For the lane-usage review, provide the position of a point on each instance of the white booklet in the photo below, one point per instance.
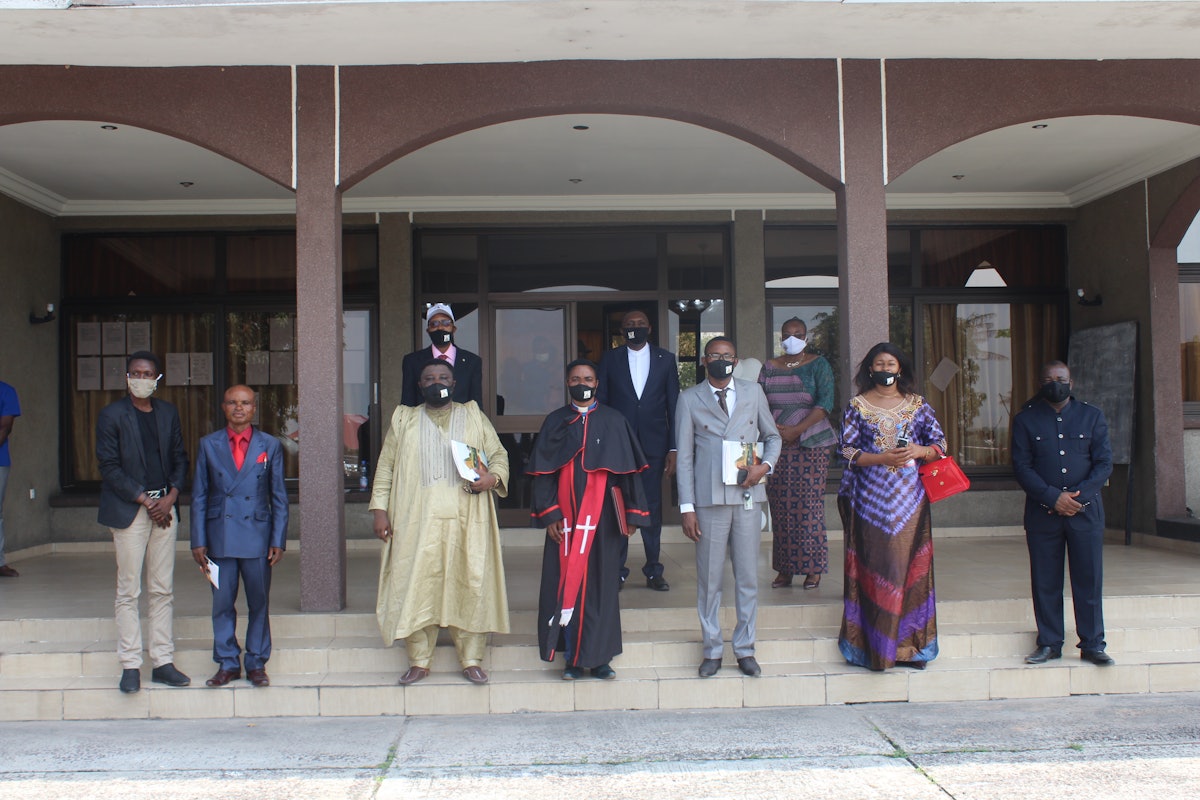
(736, 457)
(468, 460)
(212, 572)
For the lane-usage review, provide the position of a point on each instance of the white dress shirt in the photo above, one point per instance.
(639, 368)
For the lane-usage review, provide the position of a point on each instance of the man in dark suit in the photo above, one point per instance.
(1061, 457)
(641, 381)
(239, 520)
(719, 517)
(139, 448)
(468, 369)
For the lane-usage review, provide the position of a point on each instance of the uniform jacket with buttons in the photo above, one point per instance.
(1057, 451)
(701, 428)
(239, 513)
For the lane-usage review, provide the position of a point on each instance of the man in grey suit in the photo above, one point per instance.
(717, 516)
(239, 520)
(139, 447)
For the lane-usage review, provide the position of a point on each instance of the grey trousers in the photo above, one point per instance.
(738, 531)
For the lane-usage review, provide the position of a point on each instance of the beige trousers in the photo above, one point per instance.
(420, 644)
(140, 545)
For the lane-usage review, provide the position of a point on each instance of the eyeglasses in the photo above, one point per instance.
(721, 357)
(440, 323)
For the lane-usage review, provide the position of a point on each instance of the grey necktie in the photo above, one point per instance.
(721, 400)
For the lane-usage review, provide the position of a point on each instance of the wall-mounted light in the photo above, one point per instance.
(1083, 301)
(34, 319)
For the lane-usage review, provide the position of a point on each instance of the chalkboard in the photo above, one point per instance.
(1103, 365)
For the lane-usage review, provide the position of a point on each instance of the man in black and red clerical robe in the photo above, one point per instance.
(587, 493)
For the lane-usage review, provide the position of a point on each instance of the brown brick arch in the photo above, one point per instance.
(934, 104)
(241, 113)
(787, 108)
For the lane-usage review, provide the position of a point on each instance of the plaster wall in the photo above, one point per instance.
(1191, 459)
(29, 262)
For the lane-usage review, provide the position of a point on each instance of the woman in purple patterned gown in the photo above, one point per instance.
(799, 389)
(889, 614)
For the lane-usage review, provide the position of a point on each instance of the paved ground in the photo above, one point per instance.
(1099, 748)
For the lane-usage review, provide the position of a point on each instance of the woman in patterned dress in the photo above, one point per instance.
(889, 613)
(799, 389)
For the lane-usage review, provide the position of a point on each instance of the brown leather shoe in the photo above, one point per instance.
(781, 580)
(475, 675)
(413, 675)
(8, 572)
(223, 677)
(258, 677)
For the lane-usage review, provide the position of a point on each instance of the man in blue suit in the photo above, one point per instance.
(239, 520)
(641, 381)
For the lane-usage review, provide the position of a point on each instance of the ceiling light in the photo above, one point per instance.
(582, 127)
(958, 177)
(1041, 125)
(187, 184)
(575, 180)
(108, 127)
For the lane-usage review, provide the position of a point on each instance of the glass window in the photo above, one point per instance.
(1189, 334)
(261, 262)
(691, 325)
(529, 355)
(261, 350)
(97, 348)
(980, 366)
(138, 266)
(1023, 258)
(575, 262)
(448, 263)
(360, 261)
(807, 258)
(696, 261)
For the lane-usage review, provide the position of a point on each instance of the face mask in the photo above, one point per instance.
(883, 378)
(719, 370)
(441, 337)
(794, 345)
(542, 357)
(142, 388)
(1055, 392)
(581, 393)
(637, 336)
(436, 394)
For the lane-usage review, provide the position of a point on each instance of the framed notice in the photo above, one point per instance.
(177, 369)
(282, 368)
(87, 374)
(283, 333)
(258, 367)
(114, 372)
(137, 336)
(87, 339)
(200, 369)
(112, 338)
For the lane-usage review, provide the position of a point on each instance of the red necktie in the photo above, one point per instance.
(239, 451)
(443, 357)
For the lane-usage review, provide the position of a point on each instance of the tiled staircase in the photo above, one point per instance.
(336, 665)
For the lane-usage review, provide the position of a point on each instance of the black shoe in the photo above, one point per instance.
(749, 666)
(169, 675)
(1097, 657)
(572, 673)
(131, 680)
(912, 664)
(1043, 654)
(604, 672)
(709, 667)
(658, 583)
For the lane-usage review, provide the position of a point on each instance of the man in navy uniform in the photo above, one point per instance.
(239, 520)
(641, 381)
(1062, 456)
(467, 368)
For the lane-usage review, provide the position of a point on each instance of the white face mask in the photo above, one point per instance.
(142, 388)
(794, 346)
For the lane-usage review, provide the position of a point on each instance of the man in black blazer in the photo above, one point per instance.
(468, 369)
(139, 447)
(641, 381)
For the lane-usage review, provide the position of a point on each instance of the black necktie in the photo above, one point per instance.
(721, 400)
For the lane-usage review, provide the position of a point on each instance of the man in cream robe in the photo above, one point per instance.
(441, 564)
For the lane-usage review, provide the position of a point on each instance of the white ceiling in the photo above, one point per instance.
(76, 168)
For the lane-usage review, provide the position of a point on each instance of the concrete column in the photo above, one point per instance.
(1170, 484)
(319, 343)
(749, 279)
(396, 307)
(862, 218)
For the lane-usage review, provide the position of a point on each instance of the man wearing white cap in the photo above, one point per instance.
(468, 369)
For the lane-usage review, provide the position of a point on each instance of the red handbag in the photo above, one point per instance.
(943, 478)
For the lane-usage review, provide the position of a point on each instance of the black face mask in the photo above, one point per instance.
(882, 378)
(636, 336)
(719, 370)
(436, 394)
(1055, 392)
(441, 337)
(582, 393)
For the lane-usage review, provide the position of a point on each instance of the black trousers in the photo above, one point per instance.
(1082, 550)
(652, 480)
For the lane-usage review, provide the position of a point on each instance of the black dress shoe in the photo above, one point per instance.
(709, 667)
(658, 583)
(1043, 654)
(604, 672)
(169, 675)
(572, 673)
(749, 666)
(131, 680)
(1097, 657)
